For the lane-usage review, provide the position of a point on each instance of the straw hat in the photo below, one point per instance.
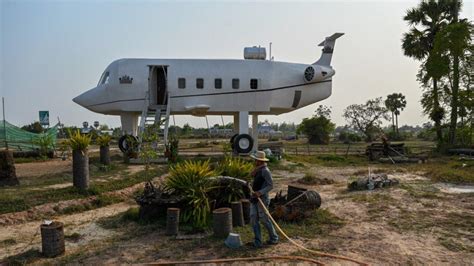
(260, 156)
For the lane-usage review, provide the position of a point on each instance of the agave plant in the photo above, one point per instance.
(104, 140)
(78, 141)
(80, 159)
(192, 180)
(235, 167)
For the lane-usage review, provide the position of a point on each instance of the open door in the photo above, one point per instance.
(158, 86)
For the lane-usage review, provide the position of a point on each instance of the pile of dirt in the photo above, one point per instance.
(315, 181)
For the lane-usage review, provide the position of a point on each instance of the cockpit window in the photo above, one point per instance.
(104, 79)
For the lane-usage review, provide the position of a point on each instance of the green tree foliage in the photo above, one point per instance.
(425, 21)
(34, 127)
(319, 127)
(193, 181)
(395, 103)
(367, 117)
(440, 41)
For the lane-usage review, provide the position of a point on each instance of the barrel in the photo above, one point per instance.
(172, 221)
(246, 210)
(52, 239)
(222, 222)
(237, 213)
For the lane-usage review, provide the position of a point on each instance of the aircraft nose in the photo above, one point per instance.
(88, 98)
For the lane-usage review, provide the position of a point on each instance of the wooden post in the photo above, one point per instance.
(172, 221)
(246, 210)
(52, 239)
(237, 213)
(222, 222)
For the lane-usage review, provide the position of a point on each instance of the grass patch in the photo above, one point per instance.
(329, 160)
(312, 179)
(447, 169)
(421, 190)
(455, 245)
(74, 237)
(98, 202)
(20, 199)
(8, 242)
(28, 257)
(121, 219)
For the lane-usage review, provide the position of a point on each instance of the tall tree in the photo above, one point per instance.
(319, 127)
(425, 21)
(452, 42)
(367, 117)
(395, 103)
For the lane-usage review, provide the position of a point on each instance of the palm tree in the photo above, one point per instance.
(395, 103)
(425, 21)
(452, 42)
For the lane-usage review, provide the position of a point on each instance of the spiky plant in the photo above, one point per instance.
(193, 181)
(104, 143)
(80, 159)
(78, 141)
(104, 140)
(235, 167)
(45, 142)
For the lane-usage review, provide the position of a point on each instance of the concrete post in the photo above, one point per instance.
(129, 123)
(243, 122)
(255, 132)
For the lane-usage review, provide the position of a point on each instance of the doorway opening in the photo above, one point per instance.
(158, 85)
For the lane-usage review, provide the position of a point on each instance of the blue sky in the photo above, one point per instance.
(51, 51)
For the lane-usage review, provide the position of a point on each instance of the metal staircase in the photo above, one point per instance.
(157, 115)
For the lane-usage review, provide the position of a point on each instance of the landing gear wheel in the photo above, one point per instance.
(124, 144)
(243, 143)
(232, 141)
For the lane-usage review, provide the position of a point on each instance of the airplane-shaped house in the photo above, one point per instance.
(154, 89)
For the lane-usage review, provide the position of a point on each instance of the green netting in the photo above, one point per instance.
(19, 139)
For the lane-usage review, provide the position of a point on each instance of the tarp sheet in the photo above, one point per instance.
(19, 139)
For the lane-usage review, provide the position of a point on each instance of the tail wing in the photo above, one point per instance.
(328, 48)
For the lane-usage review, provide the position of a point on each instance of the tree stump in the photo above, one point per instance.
(246, 210)
(222, 222)
(80, 169)
(105, 155)
(237, 213)
(7, 169)
(172, 221)
(52, 239)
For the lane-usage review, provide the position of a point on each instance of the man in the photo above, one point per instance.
(262, 184)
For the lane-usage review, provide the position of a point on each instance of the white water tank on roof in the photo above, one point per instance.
(258, 53)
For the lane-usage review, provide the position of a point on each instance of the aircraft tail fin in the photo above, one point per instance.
(328, 48)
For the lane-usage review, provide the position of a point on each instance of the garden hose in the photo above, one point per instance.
(322, 254)
(240, 259)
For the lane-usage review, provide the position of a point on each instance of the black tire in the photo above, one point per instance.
(232, 141)
(122, 143)
(243, 143)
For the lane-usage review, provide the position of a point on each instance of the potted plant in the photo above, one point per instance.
(80, 159)
(104, 143)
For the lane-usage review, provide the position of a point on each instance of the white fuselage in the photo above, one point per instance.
(280, 87)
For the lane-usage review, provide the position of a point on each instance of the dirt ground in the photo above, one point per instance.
(416, 222)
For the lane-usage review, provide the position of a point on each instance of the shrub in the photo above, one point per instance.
(193, 181)
(45, 143)
(235, 167)
(104, 140)
(78, 141)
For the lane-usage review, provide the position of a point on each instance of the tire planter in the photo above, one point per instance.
(237, 213)
(80, 169)
(7, 169)
(123, 145)
(243, 143)
(172, 221)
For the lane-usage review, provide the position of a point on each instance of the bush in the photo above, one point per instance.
(78, 141)
(235, 167)
(317, 129)
(45, 143)
(104, 140)
(193, 181)
(349, 137)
